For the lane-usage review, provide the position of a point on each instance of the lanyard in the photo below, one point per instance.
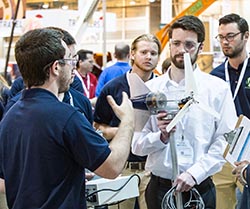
(85, 88)
(243, 70)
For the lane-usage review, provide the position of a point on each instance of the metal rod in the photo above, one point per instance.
(11, 38)
(104, 54)
(175, 169)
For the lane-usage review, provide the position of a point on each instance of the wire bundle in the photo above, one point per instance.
(193, 202)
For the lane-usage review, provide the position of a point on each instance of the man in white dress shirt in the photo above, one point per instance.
(199, 135)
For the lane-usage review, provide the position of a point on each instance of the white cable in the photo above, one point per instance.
(194, 202)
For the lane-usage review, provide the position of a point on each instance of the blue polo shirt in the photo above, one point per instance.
(110, 73)
(242, 100)
(45, 145)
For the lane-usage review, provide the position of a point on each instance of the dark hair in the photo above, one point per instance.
(121, 51)
(234, 18)
(82, 55)
(35, 52)
(145, 37)
(67, 37)
(190, 23)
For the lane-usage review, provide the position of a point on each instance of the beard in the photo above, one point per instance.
(63, 89)
(233, 53)
(64, 84)
(180, 64)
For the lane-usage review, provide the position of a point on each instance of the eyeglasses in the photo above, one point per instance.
(188, 45)
(71, 62)
(229, 37)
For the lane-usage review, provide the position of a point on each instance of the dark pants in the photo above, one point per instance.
(158, 187)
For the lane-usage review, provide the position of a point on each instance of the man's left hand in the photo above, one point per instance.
(184, 182)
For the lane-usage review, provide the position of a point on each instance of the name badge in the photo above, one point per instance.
(185, 151)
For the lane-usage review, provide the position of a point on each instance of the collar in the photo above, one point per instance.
(197, 71)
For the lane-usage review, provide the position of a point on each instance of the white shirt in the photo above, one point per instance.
(202, 132)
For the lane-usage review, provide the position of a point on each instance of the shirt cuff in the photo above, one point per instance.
(198, 173)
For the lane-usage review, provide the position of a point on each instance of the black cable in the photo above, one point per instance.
(114, 190)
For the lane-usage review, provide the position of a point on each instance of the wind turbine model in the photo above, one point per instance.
(191, 93)
(157, 101)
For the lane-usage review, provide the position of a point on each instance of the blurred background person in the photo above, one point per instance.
(84, 73)
(145, 53)
(121, 66)
(233, 35)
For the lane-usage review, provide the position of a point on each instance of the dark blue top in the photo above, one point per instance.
(18, 85)
(12, 101)
(1, 110)
(242, 100)
(77, 85)
(45, 145)
(104, 113)
(80, 102)
(110, 73)
(5, 95)
(245, 198)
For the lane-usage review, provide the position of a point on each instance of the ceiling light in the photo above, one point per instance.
(65, 7)
(45, 6)
(151, 1)
(132, 2)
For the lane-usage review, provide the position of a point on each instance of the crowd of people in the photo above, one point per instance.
(61, 125)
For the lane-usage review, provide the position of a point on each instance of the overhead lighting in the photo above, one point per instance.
(45, 6)
(65, 7)
(151, 1)
(132, 2)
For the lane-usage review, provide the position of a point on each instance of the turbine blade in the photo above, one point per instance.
(179, 115)
(209, 110)
(190, 84)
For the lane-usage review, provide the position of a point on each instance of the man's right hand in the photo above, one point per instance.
(125, 110)
(121, 143)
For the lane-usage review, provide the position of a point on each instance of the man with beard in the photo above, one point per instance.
(233, 35)
(45, 144)
(198, 136)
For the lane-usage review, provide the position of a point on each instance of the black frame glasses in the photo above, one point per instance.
(229, 37)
